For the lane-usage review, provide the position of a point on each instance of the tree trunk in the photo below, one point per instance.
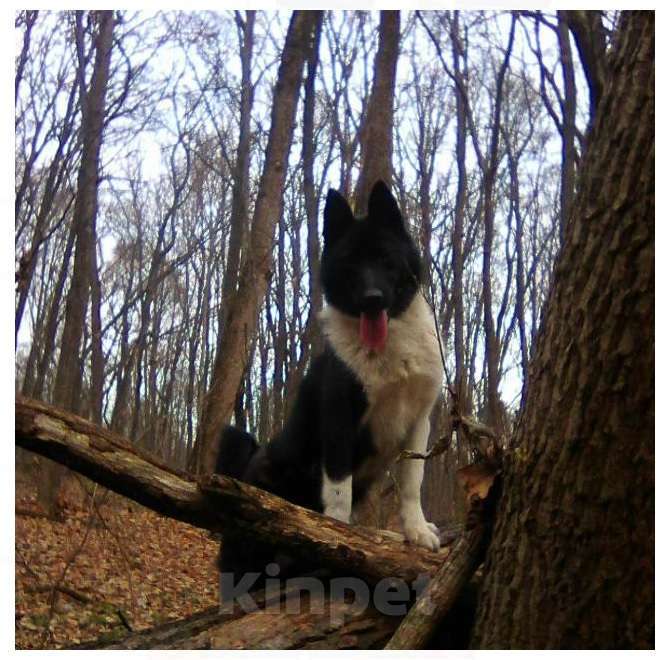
(568, 126)
(239, 220)
(241, 315)
(68, 376)
(377, 132)
(571, 564)
(68, 379)
(458, 229)
(588, 31)
(309, 194)
(494, 408)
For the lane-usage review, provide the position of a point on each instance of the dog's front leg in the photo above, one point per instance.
(410, 476)
(337, 461)
(336, 496)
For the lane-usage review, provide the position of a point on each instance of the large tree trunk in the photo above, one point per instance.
(571, 563)
(241, 316)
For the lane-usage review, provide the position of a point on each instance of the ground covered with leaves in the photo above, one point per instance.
(109, 566)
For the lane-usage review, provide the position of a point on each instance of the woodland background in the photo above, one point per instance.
(490, 115)
(141, 145)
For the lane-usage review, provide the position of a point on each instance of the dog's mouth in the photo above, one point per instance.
(373, 329)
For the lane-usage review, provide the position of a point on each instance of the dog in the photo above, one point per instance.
(368, 396)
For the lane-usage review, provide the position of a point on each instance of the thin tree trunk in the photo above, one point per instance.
(69, 376)
(309, 193)
(459, 222)
(588, 31)
(494, 406)
(571, 563)
(377, 131)
(568, 126)
(97, 353)
(240, 192)
(241, 315)
(51, 325)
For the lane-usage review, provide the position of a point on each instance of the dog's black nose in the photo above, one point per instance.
(373, 301)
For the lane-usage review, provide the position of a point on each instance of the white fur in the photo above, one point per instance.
(402, 383)
(337, 497)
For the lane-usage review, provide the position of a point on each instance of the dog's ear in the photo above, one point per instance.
(383, 208)
(338, 217)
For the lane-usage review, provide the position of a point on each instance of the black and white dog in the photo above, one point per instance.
(369, 395)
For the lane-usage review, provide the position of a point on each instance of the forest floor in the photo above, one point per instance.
(118, 563)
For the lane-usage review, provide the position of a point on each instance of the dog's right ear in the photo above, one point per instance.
(338, 217)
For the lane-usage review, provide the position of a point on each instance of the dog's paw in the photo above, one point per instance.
(423, 534)
(433, 528)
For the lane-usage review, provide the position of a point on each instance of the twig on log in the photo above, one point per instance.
(439, 447)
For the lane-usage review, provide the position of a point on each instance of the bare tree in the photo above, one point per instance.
(241, 315)
(69, 376)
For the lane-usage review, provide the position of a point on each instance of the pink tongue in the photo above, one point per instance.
(374, 330)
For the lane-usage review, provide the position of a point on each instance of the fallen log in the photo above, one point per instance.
(218, 503)
(222, 504)
(324, 624)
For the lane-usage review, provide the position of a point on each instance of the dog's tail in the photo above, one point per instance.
(236, 450)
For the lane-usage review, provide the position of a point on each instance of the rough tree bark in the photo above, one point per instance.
(571, 563)
(241, 315)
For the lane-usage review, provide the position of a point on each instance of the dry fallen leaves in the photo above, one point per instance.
(166, 569)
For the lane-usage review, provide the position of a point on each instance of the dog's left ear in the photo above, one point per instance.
(338, 217)
(383, 208)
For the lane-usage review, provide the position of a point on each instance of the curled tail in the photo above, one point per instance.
(237, 448)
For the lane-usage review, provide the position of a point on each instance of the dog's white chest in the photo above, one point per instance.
(401, 382)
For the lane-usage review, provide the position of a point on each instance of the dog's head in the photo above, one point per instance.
(370, 267)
